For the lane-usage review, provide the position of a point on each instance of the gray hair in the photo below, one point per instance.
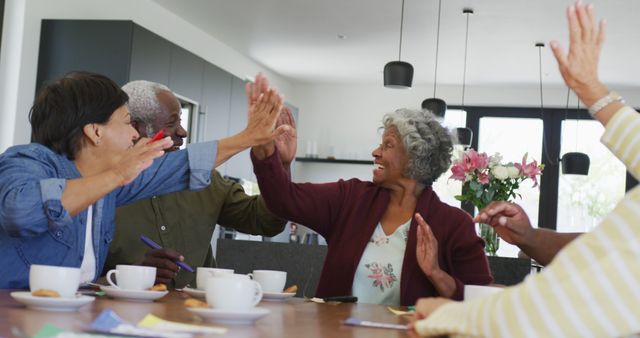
(428, 144)
(143, 102)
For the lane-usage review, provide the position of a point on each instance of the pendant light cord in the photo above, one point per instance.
(401, 24)
(435, 75)
(466, 43)
(544, 139)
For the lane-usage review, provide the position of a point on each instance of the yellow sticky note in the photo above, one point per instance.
(399, 312)
(156, 323)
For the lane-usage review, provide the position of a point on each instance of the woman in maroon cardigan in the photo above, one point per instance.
(390, 241)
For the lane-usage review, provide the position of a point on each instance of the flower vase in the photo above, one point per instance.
(491, 239)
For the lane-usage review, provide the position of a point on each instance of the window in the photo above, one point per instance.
(189, 120)
(445, 188)
(584, 200)
(562, 202)
(512, 138)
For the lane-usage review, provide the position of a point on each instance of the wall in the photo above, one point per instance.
(347, 117)
(19, 55)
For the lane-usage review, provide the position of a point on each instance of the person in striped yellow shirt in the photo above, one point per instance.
(592, 286)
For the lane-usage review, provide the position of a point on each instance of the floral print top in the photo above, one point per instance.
(377, 278)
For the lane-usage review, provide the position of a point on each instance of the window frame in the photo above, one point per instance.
(552, 119)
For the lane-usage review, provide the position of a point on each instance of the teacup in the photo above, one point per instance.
(63, 280)
(270, 280)
(228, 292)
(132, 277)
(203, 274)
(476, 291)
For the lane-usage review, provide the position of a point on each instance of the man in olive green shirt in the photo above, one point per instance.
(182, 222)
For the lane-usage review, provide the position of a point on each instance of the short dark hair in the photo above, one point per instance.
(65, 106)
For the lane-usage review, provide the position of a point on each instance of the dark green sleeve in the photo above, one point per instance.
(247, 214)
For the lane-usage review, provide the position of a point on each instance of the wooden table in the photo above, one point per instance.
(291, 318)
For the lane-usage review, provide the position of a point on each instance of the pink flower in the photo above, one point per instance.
(483, 178)
(458, 172)
(474, 160)
(470, 162)
(531, 170)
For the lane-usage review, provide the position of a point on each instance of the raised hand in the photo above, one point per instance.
(138, 158)
(263, 115)
(426, 248)
(579, 68)
(255, 89)
(164, 261)
(509, 220)
(286, 138)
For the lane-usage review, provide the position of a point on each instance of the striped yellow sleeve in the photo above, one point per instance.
(589, 290)
(622, 137)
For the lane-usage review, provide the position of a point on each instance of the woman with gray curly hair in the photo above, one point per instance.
(390, 241)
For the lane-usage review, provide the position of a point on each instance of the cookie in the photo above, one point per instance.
(192, 302)
(159, 287)
(292, 288)
(45, 293)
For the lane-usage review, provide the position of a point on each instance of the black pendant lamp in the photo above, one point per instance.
(398, 74)
(435, 105)
(573, 163)
(465, 135)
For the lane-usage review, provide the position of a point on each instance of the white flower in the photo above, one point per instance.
(500, 172)
(513, 172)
(495, 160)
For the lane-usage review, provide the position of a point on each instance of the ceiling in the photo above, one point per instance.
(298, 39)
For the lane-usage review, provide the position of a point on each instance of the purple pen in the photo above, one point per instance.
(150, 243)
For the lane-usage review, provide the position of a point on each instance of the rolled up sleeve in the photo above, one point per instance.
(51, 193)
(175, 171)
(30, 199)
(201, 159)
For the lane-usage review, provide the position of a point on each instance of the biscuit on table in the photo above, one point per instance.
(292, 289)
(45, 293)
(159, 287)
(192, 302)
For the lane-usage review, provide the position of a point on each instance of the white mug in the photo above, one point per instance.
(270, 280)
(63, 280)
(203, 274)
(476, 291)
(229, 292)
(132, 277)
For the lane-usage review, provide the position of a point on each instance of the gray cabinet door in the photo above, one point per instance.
(216, 101)
(150, 57)
(240, 165)
(102, 47)
(185, 74)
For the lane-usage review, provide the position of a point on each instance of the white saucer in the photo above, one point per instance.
(51, 304)
(277, 296)
(134, 295)
(230, 317)
(197, 293)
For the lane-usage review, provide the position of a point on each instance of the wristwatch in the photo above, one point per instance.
(604, 101)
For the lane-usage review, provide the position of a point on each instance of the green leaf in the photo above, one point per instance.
(489, 195)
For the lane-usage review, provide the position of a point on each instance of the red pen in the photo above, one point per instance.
(157, 136)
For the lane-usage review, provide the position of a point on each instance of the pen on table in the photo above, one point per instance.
(155, 245)
(157, 136)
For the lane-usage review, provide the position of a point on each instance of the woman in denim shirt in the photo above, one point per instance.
(86, 159)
